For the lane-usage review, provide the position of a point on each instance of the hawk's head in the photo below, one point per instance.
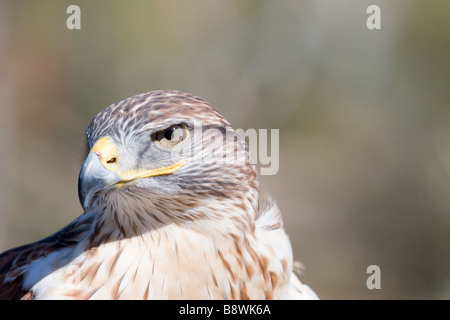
(164, 145)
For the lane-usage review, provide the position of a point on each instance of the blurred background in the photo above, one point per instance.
(364, 118)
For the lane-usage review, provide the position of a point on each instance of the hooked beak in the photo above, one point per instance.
(100, 170)
(94, 177)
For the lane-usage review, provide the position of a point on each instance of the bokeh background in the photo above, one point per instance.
(364, 118)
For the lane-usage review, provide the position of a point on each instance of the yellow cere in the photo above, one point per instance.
(107, 151)
(109, 157)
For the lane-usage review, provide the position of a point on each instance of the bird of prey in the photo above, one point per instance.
(165, 216)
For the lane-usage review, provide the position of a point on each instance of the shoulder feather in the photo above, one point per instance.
(15, 262)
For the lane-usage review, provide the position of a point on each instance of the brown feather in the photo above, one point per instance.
(209, 239)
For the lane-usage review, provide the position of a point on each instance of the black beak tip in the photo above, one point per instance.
(93, 177)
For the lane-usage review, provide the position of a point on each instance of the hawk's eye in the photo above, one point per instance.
(172, 136)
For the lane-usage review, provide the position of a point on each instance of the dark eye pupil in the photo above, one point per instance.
(171, 136)
(168, 134)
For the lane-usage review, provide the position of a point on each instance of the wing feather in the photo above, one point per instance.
(270, 226)
(14, 263)
(300, 291)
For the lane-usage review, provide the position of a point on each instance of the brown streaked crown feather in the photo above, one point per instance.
(201, 232)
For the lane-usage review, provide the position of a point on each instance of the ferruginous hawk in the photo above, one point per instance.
(171, 211)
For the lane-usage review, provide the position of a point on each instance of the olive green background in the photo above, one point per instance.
(364, 118)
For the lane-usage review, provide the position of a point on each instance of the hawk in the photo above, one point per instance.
(165, 216)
